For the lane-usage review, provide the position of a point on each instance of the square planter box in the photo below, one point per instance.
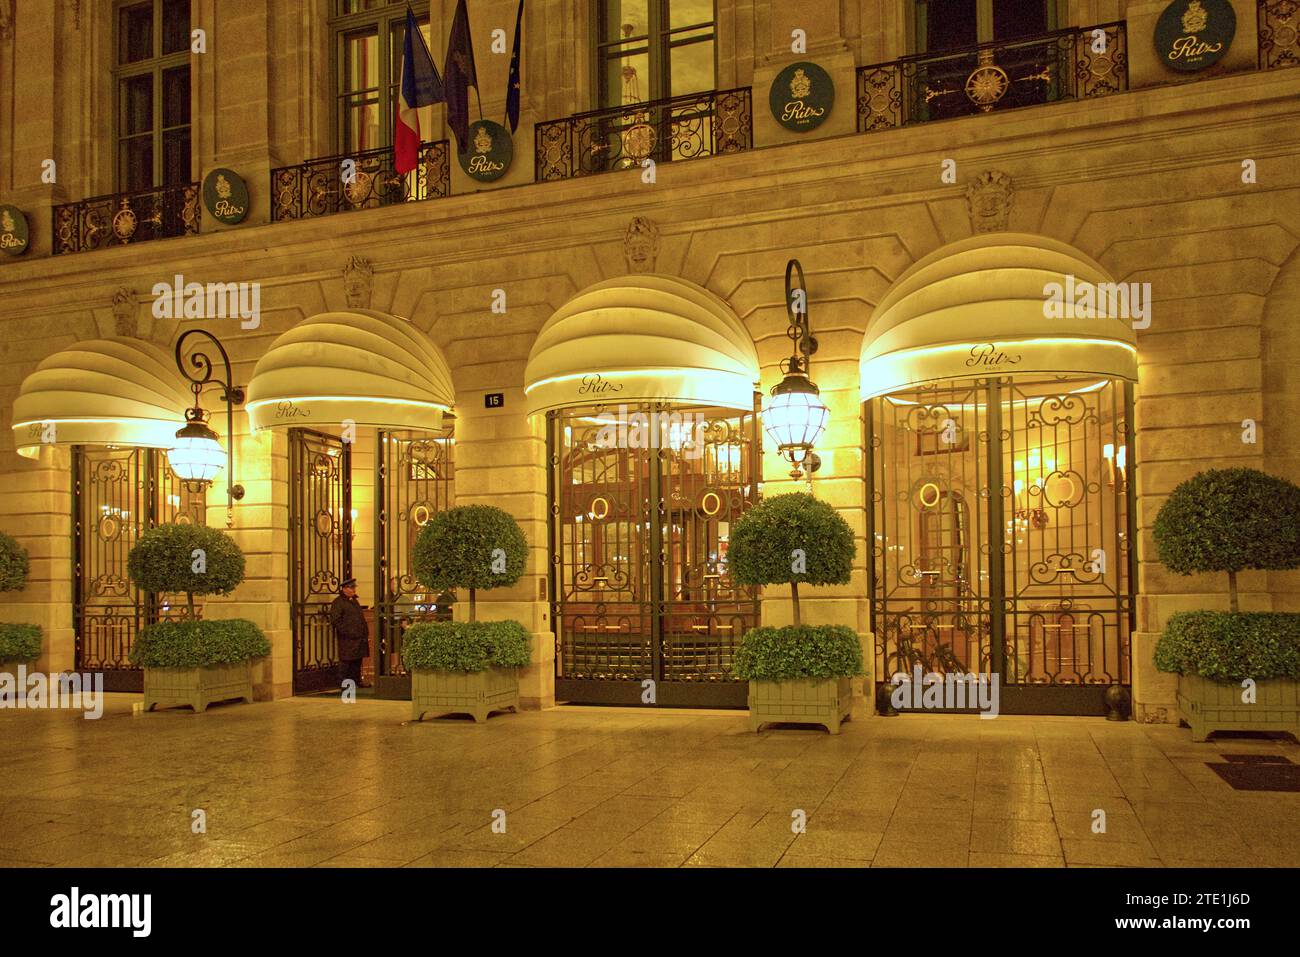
(824, 701)
(197, 687)
(1208, 706)
(477, 693)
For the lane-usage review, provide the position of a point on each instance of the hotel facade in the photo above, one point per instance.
(1049, 251)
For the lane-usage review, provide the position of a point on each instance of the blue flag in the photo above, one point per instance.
(512, 95)
(459, 75)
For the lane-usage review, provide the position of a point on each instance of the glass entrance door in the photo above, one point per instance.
(1001, 522)
(642, 606)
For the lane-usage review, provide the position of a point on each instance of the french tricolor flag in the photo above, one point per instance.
(421, 86)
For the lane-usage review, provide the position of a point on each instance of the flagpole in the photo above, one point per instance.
(480, 101)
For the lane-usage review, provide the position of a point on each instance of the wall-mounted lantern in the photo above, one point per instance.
(795, 416)
(197, 455)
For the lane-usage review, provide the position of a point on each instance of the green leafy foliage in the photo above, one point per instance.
(1230, 646)
(13, 564)
(764, 539)
(163, 559)
(456, 549)
(19, 642)
(197, 644)
(799, 651)
(1227, 520)
(465, 646)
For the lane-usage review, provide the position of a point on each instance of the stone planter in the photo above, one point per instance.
(197, 687)
(824, 701)
(476, 693)
(1208, 706)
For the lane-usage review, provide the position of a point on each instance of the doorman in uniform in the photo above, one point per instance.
(351, 630)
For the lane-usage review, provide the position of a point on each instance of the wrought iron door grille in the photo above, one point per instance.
(638, 542)
(1001, 520)
(415, 480)
(116, 495)
(320, 551)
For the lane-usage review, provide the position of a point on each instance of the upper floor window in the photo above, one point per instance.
(653, 49)
(952, 24)
(368, 42)
(152, 75)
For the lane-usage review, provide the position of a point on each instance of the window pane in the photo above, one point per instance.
(691, 68)
(360, 68)
(136, 104)
(176, 25)
(176, 156)
(623, 18)
(361, 125)
(686, 13)
(626, 80)
(356, 6)
(135, 162)
(135, 33)
(176, 96)
(1018, 18)
(950, 24)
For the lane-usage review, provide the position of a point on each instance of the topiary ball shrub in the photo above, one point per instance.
(471, 547)
(14, 565)
(186, 558)
(466, 646)
(799, 651)
(1231, 646)
(791, 538)
(1229, 520)
(19, 642)
(198, 644)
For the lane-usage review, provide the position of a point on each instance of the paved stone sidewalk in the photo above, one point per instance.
(313, 782)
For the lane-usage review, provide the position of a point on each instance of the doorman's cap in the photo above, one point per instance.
(349, 583)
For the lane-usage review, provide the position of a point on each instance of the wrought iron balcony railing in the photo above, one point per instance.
(684, 127)
(1279, 34)
(324, 186)
(123, 218)
(1077, 63)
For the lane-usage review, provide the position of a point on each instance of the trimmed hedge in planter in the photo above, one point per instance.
(13, 564)
(465, 667)
(799, 674)
(197, 663)
(1213, 652)
(19, 643)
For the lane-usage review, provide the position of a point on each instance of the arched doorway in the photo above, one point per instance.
(366, 398)
(1000, 481)
(647, 385)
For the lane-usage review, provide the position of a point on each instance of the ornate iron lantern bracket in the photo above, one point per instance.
(200, 372)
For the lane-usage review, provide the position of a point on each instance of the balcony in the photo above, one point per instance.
(681, 128)
(120, 219)
(1071, 64)
(1279, 34)
(321, 187)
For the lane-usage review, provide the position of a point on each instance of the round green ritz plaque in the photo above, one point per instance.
(1194, 34)
(13, 230)
(226, 196)
(490, 151)
(802, 96)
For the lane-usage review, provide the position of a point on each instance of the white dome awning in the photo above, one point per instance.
(642, 338)
(980, 307)
(361, 366)
(115, 391)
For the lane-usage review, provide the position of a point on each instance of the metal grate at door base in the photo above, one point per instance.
(1258, 772)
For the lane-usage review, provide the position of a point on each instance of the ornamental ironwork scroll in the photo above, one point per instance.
(123, 218)
(623, 137)
(1279, 34)
(363, 180)
(1077, 63)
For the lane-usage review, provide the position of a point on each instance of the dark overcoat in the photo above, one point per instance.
(350, 628)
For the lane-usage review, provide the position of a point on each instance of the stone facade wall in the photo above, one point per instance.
(1149, 183)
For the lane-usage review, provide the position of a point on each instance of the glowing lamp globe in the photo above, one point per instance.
(197, 456)
(795, 418)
